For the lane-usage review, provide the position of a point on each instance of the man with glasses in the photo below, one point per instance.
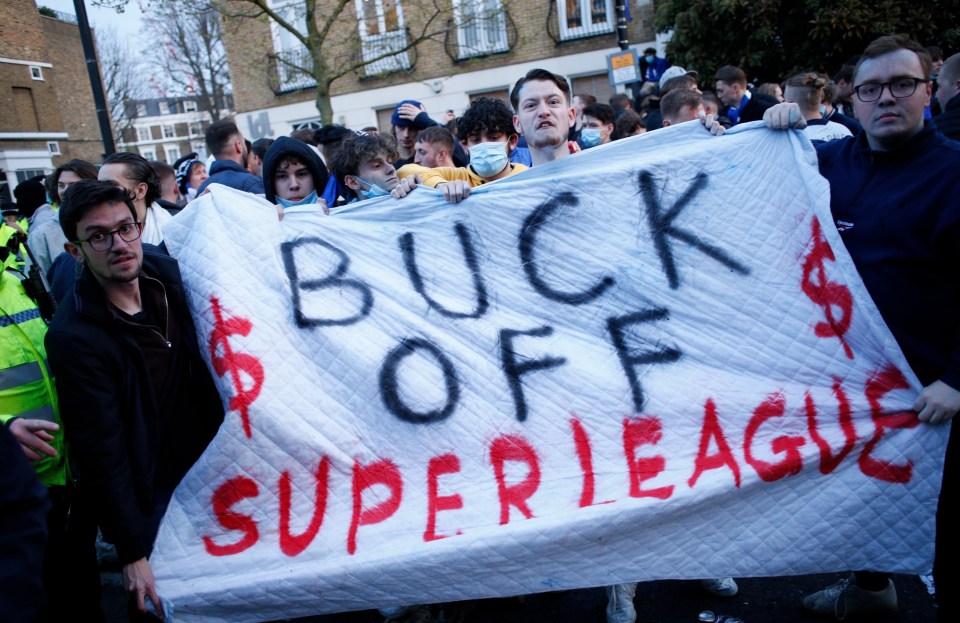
(137, 402)
(894, 194)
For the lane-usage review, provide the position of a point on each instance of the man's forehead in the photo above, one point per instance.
(106, 214)
(896, 64)
(377, 159)
(113, 171)
(537, 89)
(290, 162)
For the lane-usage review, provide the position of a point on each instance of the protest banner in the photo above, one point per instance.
(651, 360)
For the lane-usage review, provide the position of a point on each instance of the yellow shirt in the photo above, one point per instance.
(435, 177)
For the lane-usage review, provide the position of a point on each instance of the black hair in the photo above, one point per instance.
(83, 169)
(85, 196)
(485, 114)
(138, 170)
(219, 134)
(602, 113)
(261, 145)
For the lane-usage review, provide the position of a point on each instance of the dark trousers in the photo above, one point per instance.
(71, 577)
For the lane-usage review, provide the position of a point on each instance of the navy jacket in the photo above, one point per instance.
(898, 214)
(229, 173)
(948, 121)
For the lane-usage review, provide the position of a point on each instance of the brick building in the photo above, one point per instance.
(471, 57)
(47, 113)
(168, 127)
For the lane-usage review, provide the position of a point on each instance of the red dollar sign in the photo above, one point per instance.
(235, 363)
(829, 295)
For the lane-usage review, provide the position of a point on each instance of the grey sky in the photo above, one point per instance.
(127, 24)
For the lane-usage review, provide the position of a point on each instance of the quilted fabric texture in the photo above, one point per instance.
(651, 360)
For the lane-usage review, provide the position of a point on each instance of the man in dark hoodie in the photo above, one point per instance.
(293, 174)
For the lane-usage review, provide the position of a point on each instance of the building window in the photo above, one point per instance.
(54, 148)
(294, 65)
(382, 32)
(148, 154)
(189, 106)
(172, 153)
(194, 128)
(164, 107)
(481, 27)
(141, 110)
(143, 134)
(26, 174)
(169, 131)
(36, 72)
(585, 18)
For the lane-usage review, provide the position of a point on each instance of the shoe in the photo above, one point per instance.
(620, 603)
(845, 599)
(721, 587)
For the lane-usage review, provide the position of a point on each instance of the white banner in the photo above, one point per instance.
(651, 360)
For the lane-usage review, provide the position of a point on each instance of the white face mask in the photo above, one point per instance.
(488, 159)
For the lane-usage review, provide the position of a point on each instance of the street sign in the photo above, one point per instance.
(622, 67)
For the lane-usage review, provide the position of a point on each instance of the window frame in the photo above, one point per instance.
(36, 72)
(287, 78)
(481, 28)
(372, 46)
(588, 30)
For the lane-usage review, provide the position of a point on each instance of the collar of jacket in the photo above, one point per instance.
(915, 145)
(90, 298)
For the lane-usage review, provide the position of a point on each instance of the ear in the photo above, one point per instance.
(352, 182)
(573, 117)
(666, 122)
(141, 190)
(512, 143)
(516, 125)
(73, 250)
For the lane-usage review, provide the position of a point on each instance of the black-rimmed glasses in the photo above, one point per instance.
(899, 88)
(103, 240)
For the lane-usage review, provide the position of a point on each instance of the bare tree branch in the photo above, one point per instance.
(331, 36)
(122, 77)
(190, 50)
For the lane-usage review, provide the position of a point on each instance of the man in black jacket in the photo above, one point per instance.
(137, 402)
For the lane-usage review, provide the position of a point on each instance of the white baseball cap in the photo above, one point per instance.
(674, 71)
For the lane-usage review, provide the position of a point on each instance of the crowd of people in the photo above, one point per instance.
(111, 403)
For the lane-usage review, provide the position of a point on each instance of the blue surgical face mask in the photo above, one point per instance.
(488, 159)
(649, 59)
(311, 198)
(372, 191)
(590, 137)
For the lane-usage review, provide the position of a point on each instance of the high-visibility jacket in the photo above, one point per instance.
(26, 385)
